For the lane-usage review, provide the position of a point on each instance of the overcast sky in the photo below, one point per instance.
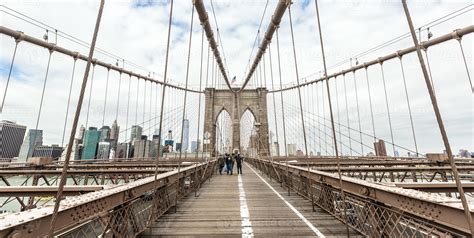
(136, 31)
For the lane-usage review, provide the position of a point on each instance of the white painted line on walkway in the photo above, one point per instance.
(247, 230)
(314, 229)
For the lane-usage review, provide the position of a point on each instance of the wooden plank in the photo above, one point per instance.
(216, 212)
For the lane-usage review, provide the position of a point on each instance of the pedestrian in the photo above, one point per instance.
(239, 159)
(232, 161)
(221, 164)
(228, 164)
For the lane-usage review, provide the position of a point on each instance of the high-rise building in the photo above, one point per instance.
(104, 133)
(136, 133)
(185, 140)
(178, 146)
(194, 146)
(155, 143)
(82, 131)
(122, 150)
(33, 138)
(91, 139)
(114, 134)
(11, 137)
(103, 150)
(50, 151)
(141, 148)
(291, 149)
(275, 149)
(76, 151)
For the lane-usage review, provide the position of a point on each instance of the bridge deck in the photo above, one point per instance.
(231, 206)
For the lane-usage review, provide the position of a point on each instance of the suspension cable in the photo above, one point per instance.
(370, 103)
(442, 129)
(68, 101)
(338, 115)
(105, 97)
(387, 106)
(358, 112)
(163, 93)
(310, 190)
(118, 97)
(40, 106)
(128, 110)
(465, 63)
(347, 113)
(74, 124)
(90, 96)
(408, 104)
(274, 104)
(17, 41)
(332, 118)
(282, 109)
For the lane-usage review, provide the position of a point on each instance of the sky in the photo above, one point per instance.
(136, 31)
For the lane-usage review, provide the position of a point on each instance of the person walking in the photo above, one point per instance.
(239, 159)
(221, 164)
(232, 161)
(228, 164)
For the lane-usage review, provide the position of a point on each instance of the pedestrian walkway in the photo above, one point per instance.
(245, 206)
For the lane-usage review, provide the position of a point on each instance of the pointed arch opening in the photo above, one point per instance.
(249, 139)
(223, 135)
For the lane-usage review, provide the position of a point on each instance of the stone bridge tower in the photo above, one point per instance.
(254, 100)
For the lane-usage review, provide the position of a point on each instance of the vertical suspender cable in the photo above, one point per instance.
(282, 111)
(465, 63)
(388, 107)
(185, 92)
(338, 115)
(68, 100)
(444, 135)
(74, 124)
(408, 104)
(319, 120)
(199, 99)
(126, 120)
(118, 97)
(105, 97)
(332, 118)
(205, 86)
(310, 191)
(274, 104)
(163, 92)
(136, 102)
(9, 74)
(358, 114)
(370, 103)
(347, 115)
(40, 106)
(90, 96)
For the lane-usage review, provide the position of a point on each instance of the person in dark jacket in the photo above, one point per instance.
(228, 161)
(221, 164)
(239, 159)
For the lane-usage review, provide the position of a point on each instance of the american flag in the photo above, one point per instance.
(233, 80)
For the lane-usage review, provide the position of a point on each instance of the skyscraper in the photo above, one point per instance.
(82, 131)
(33, 138)
(141, 148)
(136, 133)
(50, 151)
(291, 149)
(103, 150)
(155, 143)
(11, 136)
(91, 139)
(104, 133)
(114, 133)
(194, 146)
(185, 140)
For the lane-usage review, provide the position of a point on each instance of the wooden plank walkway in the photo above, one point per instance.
(245, 206)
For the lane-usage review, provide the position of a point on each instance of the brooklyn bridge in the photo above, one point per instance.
(240, 119)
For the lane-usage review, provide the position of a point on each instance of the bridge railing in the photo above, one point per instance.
(123, 210)
(375, 210)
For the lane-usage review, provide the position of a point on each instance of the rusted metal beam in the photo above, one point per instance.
(18, 35)
(274, 24)
(204, 18)
(444, 211)
(24, 191)
(74, 211)
(437, 187)
(424, 45)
